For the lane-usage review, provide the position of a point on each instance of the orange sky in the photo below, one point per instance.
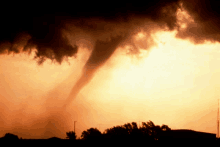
(175, 84)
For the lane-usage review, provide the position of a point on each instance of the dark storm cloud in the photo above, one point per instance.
(206, 16)
(41, 25)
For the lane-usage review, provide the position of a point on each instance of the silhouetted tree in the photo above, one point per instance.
(165, 128)
(136, 132)
(128, 127)
(116, 132)
(127, 131)
(71, 135)
(10, 136)
(91, 134)
(152, 130)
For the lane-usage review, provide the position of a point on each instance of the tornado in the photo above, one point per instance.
(101, 53)
(52, 32)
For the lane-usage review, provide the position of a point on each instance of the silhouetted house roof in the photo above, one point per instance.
(54, 138)
(187, 135)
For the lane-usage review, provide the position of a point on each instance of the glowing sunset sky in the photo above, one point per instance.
(173, 80)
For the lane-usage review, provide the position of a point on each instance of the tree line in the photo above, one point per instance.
(129, 131)
(148, 131)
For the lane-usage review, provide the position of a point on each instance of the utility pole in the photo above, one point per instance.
(218, 121)
(74, 127)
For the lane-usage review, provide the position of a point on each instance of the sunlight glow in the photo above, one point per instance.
(174, 80)
(171, 83)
